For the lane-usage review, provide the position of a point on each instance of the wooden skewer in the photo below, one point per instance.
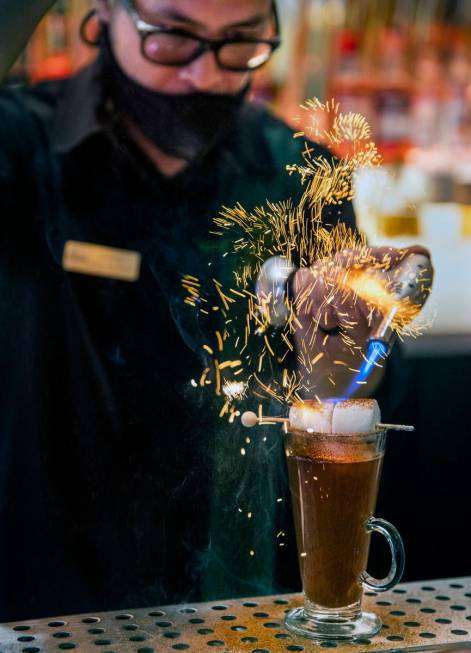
(396, 427)
(250, 419)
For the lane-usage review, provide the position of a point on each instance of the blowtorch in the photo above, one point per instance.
(410, 280)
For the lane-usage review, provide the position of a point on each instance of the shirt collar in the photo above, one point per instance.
(77, 117)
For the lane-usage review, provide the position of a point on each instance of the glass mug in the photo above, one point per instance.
(334, 486)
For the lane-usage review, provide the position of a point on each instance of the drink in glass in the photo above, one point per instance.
(334, 482)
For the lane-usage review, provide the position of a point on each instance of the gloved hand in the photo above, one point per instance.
(334, 324)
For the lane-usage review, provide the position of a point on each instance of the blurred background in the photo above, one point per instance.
(406, 66)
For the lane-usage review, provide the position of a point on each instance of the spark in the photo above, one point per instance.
(224, 409)
(230, 364)
(203, 376)
(268, 346)
(218, 377)
(339, 266)
(234, 389)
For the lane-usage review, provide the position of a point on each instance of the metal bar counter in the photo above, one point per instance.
(416, 616)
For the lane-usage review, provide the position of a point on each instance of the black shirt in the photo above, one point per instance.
(119, 485)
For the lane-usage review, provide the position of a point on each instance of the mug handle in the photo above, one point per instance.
(396, 546)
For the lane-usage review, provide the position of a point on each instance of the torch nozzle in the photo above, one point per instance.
(410, 280)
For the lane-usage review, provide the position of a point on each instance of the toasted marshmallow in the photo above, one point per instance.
(312, 416)
(356, 416)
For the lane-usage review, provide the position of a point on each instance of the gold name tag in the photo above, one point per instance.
(101, 261)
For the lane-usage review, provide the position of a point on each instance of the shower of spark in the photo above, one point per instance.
(247, 356)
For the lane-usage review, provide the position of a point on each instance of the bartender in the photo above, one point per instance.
(114, 472)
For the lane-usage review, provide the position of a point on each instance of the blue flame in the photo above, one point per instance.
(377, 350)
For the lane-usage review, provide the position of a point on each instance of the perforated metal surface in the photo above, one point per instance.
(416, 616)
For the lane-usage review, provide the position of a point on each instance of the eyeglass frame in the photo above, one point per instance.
(145, 30)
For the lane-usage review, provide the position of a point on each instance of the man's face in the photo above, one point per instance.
(213, 19)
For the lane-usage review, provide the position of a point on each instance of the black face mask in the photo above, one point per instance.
(185, 126)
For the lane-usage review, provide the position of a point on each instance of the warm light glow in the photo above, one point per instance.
(234, 389)
(375, 292)
(245, 352)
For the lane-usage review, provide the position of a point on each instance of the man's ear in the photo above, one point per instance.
(103, 8)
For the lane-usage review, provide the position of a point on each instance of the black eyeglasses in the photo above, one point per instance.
(177, 47)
